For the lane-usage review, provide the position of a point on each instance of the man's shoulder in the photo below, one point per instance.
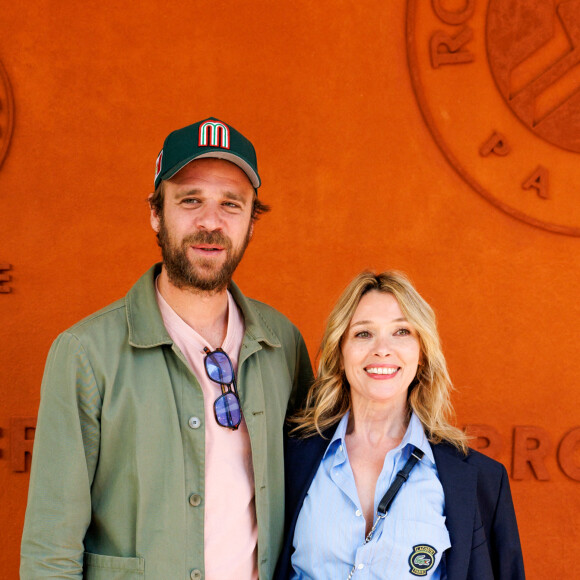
(140, 298)
(101, 336)
(257, 313)
(111, 315)
(267, 316)
(269, 312)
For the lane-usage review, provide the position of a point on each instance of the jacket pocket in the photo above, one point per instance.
(99, 567)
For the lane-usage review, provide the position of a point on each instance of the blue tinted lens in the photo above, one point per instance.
(227, 410)
(219, 368)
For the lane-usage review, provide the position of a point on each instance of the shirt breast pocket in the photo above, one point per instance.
(418, 548)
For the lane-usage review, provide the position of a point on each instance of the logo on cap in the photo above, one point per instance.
(422, 559)
(214, 134)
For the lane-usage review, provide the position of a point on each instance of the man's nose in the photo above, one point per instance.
(209, 218)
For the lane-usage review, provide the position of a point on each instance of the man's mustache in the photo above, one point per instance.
(217, 238)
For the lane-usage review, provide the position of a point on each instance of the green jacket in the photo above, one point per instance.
(115, 458)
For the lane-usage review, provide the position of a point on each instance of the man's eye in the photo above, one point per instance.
(190, 201)
(231, 204)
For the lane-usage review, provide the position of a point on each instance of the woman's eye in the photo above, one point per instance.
(403, 332)
(362, 334)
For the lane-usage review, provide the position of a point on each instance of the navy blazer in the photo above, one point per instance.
(480, 517)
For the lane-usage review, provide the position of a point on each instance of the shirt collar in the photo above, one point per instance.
(146, 328)
(335, 449)
(174, 322)
(414, 435)
(340, 432)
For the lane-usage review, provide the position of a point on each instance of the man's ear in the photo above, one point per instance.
(153, 216)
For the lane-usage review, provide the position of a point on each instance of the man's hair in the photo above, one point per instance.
(157, 200)
(428, 397)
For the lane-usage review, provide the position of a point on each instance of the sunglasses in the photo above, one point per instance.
(219, 369)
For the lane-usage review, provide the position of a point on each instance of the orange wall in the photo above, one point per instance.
(356, 180)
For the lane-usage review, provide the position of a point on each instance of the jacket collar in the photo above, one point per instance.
(146, 328)
(257, 327)
(459, 481)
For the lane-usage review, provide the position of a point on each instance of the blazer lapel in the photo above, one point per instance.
(459, 481)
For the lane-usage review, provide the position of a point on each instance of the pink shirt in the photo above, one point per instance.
(231, 532)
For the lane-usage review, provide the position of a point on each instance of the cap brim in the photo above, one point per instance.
(220, 154)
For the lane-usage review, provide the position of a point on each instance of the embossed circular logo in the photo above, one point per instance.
(533, 47)
(6, 113)
(498, 84)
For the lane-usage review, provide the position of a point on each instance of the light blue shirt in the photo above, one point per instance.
(408, 543)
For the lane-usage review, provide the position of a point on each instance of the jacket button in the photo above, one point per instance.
(195, 500)
(195, 574)
(194, 422)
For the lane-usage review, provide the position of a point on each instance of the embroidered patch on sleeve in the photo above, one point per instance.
(422, 559)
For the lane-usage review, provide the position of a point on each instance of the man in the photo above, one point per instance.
(144, 466)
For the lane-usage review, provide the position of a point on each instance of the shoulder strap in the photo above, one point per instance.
(401, 477)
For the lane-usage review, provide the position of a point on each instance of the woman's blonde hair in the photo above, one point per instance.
(329, 397)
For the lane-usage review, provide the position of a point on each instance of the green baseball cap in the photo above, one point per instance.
(208, 138)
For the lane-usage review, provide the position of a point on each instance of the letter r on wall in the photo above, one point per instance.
(531, 446)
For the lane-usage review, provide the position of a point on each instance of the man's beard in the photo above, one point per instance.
(201, 275)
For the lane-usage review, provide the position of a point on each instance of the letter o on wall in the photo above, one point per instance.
(566, 452)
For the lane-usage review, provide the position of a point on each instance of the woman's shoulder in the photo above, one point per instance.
(486, 464)
(487, 468)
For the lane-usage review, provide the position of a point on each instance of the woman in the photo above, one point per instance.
(380, 406)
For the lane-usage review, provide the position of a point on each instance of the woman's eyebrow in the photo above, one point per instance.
(365, 322)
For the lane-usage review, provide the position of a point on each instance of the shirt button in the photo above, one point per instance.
(194, 422)
(357, 513)
(360, 566)
(195, 574)
(195, 500)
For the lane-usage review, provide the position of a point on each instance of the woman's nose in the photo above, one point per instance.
(383, 346)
